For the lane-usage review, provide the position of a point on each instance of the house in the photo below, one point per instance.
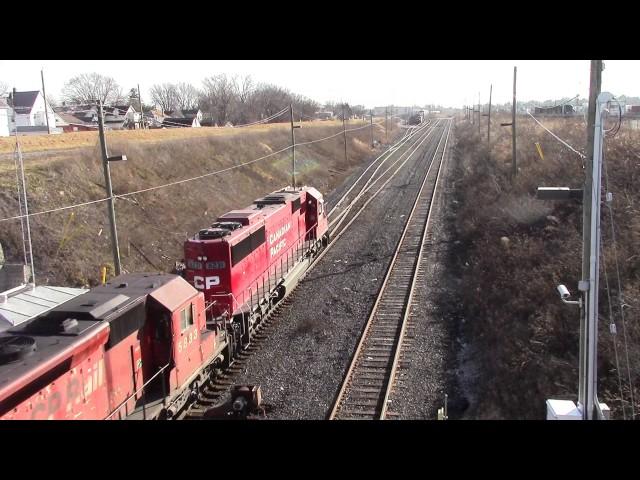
(73, 123)
(30, 111)
(324, 115)
(565, 109)
(170, 122)
(120, 117)
(197, 113)
(5, 118)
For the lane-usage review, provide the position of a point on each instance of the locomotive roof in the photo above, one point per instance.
(259, 211)
(91, 311)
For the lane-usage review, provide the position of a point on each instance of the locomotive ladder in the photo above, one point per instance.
(367, 385)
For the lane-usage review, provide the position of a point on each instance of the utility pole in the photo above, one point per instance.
(586, 375)
(44, 94)
(489, 120)
(293, 149)
(514, 165)
(479, 113)
(141, 110)
(371, 120)
(344, 133)
(24, 212)
(107, 179)
(386, 117)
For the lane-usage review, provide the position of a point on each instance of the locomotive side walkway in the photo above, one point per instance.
(302, 363)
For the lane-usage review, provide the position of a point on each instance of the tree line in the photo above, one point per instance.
(222, 98)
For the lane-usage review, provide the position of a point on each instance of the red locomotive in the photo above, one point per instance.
(248, 259)
(141, 345)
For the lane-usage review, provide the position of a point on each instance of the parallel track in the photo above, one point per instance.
(212, 393)
(368, 384)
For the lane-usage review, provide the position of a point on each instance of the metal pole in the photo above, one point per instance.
(514, 165)
(24, 221)
(584, 386)
(107, 179)
(479, 113)
(293, 149)
(489, 121)
(44, 94)
(371, 120)
(344, 133)
(141, 110)
(386, 117)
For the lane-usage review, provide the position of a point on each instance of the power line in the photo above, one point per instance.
(217, 172)
(582, 155)
(620, 294)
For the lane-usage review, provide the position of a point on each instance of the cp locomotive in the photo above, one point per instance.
(141, 345)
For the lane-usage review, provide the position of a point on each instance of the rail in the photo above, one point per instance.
(371, 373)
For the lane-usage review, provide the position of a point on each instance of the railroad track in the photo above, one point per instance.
(368, 385)
(213, 392)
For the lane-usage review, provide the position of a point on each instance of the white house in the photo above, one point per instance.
(5, 118)
(30, 111)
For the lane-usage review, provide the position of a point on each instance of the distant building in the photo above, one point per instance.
(555, 110)
(30, 111)
(324, 115)
(170, 122)
(5, 118)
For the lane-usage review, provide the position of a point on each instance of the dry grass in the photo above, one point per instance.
(70, 250)
(528, 339)
(35, 143)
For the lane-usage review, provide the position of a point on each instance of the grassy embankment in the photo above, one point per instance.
(516, 249)
(70, 246)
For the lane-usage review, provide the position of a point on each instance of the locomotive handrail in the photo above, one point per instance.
(289, 251)
(144, 385)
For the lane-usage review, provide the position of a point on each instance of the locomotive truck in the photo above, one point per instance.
(141, 345)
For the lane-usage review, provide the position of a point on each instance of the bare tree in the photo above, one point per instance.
(218, 96)
(90, 87)
(165, 96)
(244, 111)
(186, 96)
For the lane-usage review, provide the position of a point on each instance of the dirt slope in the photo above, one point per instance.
(70, 246)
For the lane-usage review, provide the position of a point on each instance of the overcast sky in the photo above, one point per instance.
(367, 82)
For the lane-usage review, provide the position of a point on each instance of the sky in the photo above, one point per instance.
(359, 82)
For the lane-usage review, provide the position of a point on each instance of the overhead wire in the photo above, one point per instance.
(178, 182)
(582, 155)
(619, 282)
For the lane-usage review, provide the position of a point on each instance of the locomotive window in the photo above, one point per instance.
(125, 324)
(163, 331)
(194, 264)
(295, 205)
(186, 317)
(257, 238)
(216, 265)
(248, 245)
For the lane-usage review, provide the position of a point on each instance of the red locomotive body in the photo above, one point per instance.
(90, 357)
(244, 257)
(141, 345)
